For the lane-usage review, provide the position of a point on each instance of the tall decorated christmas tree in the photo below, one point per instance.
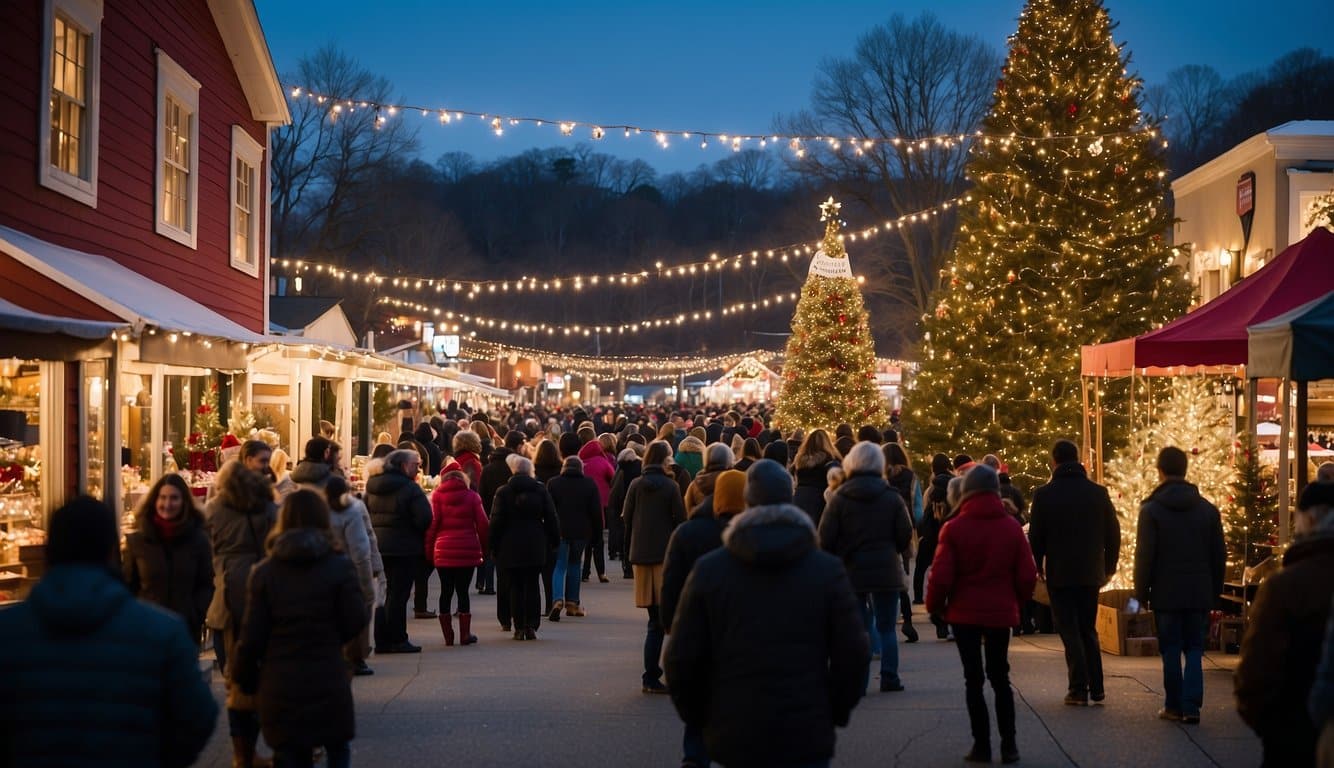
(1063, 245)
(829, 371)
(1190, 418)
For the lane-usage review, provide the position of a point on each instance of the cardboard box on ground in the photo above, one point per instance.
(1121, 633)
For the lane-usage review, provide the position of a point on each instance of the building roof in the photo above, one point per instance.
(238, 23)
(1293, 140)
(297, 312)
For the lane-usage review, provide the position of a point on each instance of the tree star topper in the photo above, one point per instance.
(829, 209)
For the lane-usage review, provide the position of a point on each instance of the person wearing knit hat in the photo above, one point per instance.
(690, 456)
(693, 539)
(983, 572)
(962, 463)
(768, 482)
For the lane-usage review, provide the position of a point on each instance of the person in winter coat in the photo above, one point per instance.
(697, 536)
(400, 515)
(982, 573)
(767, 632)
(899, 475)
(168, 560)
(454, 544)
(427, 439)
(524, 529)
(495, 473)
(653, 509)
(600, 467)
(628, 463)
(690, 456)
(239, 518)
(546, 461)
(934, 512)
(1321, 702)
(315, 468)
(866, 525)
(718, 459)
(1180, 558)
(1076, 541)
(751, 452)
(579, 508)
(350, 523)
(810, 466)
(90, 675)
(1281, 647)
(467, 452)
(303, 605)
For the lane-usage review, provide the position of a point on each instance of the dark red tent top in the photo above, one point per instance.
(1215, 334)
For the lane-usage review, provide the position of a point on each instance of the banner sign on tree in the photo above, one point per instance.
(829, 266)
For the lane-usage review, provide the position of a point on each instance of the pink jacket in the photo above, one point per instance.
(458, 526)
(600, 468)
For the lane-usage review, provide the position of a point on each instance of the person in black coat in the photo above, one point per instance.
(867, 526)
(653, 508)
(810, 466)
(426, 437)
(304, 603)
(1076, 541)
(400, 514)
(168, 560)
(628, 466)
(524, 528)
(698, 536)
(495, 473)
(768, 632)
(935, 510)
(579, 509)
(90, 675)
(1180, 558)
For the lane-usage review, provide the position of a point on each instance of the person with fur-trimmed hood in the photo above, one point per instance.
(780, 618)
(719, 459)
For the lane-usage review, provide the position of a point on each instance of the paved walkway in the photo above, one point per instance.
(572, 699)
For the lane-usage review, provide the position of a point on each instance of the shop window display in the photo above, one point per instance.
(21, 534)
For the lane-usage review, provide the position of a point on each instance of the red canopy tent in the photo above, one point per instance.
(1215, 334)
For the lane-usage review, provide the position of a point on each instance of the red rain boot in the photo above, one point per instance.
(466, 637)
(446, 628)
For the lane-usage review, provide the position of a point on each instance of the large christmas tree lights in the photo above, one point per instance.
(829, 371)
(1063, 246)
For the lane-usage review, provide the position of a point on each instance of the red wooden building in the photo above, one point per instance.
(133, 191)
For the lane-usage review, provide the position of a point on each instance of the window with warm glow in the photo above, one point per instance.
(178, 152)
(176, 166)
(247, 201)
(69, 98)
(68, 139)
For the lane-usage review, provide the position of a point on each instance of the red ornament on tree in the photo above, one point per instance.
(1072, 109)
(842, 319)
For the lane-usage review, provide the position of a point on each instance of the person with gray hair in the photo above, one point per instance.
(1281, 647)
(400, 514)
(524, 528)
(867, 526)
(718, 458)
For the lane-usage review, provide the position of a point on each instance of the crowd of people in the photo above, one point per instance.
(774, 568)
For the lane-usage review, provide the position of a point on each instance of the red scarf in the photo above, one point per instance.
(169, 528)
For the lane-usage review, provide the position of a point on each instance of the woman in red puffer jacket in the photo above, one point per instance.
(454, 545)
(982, 572)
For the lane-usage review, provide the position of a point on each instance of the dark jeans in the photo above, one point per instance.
(615, 535)
(503, 598)
(653, 648)
(595, 555)
(399, 573)
(486, 575)
(926, 552)
(880, 608)
(454, 581)
(338, 756)
(970, 640)
(693, 749)
(421, 586)
(1075, 610)
(1182, 634)
(548, 574)
(525, 602)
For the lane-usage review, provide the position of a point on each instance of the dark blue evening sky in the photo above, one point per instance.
(691, 65)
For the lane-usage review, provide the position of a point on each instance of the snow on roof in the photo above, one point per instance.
(16, 318)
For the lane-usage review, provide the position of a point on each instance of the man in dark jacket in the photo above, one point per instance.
(400, 514)
(866, 525)
(653, 508)
(524, 528)
(314, 468)
(628, 466)
(89, 675)
(1076, 541)
(768, 632)
(1180, 557)
(495, 473)
(579, 509)
(1281, 648)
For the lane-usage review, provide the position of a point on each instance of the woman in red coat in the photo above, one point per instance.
(982, 572)
(454, 546)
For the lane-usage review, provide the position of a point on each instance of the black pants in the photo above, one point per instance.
(503, 598)
(486, 575)
(399, 572)
(454, 581)
(970, 640)
(420, 586)
(595, 555)
(1075, 611)
(926, 552)
(615, 535)
(525, 602)
(548, 572)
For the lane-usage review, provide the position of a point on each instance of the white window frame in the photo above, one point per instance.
(174, 81)
(86, 15)
(248, 151)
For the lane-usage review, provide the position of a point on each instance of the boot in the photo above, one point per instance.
(573, 609)
(909, 631)
(446, 628)
(243, 754)
(466, 637)
(556, 608)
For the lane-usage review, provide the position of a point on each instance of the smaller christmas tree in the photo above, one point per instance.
(829, 371)
(241, 423)
(1250, 518)
(1192, 419)
(206, 422)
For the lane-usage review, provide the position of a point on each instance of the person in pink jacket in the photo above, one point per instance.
(454, 545)
(982, 572)
(602, 470)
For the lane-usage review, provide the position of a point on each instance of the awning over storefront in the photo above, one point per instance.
(29, 334)
(172, 328)
(1215, 334)
(1296, 345)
